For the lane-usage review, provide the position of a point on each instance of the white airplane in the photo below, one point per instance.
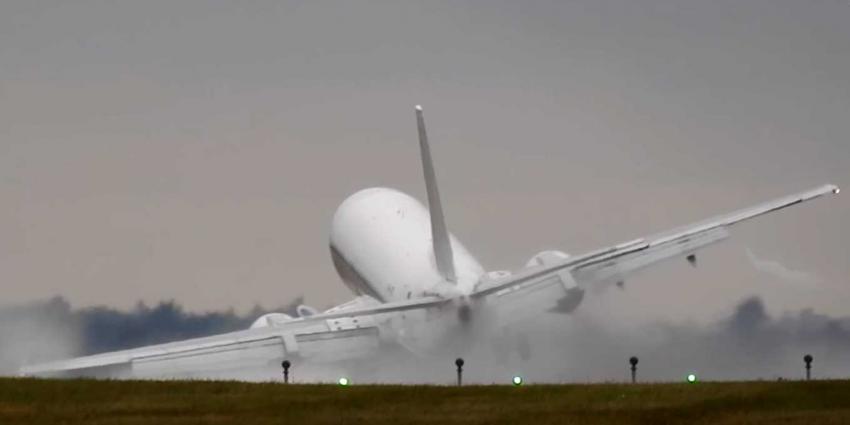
(416, 287)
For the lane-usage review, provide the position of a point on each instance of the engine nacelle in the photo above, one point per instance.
(547, 258)
(573, 295)
(270, 320)
(305, 310)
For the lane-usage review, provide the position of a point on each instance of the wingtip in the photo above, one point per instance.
(836, 189)
(418, 108)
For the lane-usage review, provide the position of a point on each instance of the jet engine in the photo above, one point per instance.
(547, 258)
(270, 320)
(573, 295)
(305, 310)
(276, 319)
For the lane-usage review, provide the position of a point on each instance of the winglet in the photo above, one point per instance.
(439, 232)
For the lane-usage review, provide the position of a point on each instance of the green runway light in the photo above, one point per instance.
(343, 382)
(692, 378)
(517, 380)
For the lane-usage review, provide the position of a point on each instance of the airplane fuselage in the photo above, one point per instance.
(381, 246)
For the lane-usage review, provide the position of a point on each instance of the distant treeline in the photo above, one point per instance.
(52, 329)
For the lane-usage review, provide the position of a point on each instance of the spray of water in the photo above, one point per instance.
(36, 333)
(785, 274)
(582, 347)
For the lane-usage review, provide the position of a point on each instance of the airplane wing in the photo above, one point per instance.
(346, 331)
(560, 283)
(681, 242)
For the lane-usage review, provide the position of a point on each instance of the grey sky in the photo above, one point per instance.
(197, 150)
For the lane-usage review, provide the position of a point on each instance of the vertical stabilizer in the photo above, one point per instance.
(439, 232)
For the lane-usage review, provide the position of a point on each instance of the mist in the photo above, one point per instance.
(785, 274)
(748, 343)
(36, 333)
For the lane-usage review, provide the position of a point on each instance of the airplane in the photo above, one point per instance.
(416, 287)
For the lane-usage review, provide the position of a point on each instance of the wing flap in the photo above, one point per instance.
(250, 354)
(618, 266)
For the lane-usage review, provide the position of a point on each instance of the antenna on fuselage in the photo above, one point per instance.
(439, 232)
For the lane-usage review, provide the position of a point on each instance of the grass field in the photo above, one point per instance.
(32, 401)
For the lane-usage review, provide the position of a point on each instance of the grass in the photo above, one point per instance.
(37, 401)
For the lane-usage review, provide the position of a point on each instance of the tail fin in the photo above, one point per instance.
(439, 232)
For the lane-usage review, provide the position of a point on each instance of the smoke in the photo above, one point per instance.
(748, 343)
(775, 268)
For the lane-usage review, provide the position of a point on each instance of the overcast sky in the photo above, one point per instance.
(197, 150)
